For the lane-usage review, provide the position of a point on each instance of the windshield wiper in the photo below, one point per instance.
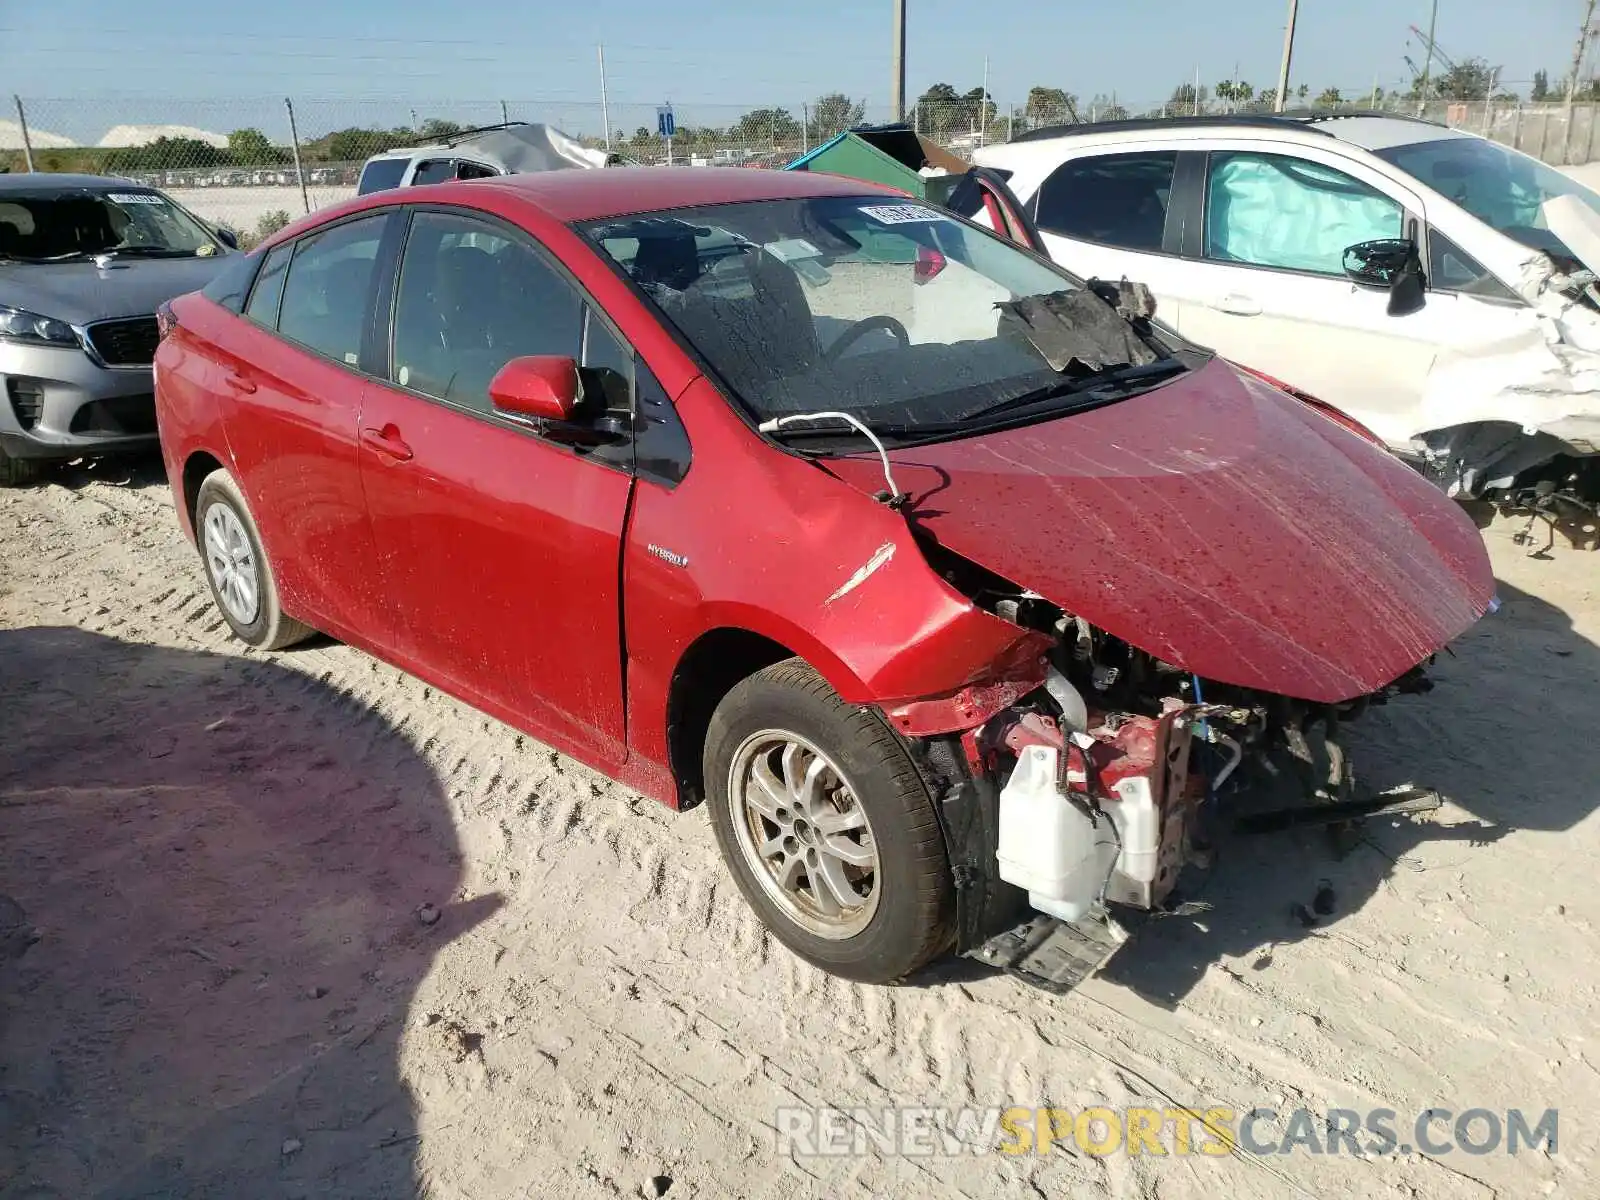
(146, 252)
(796, 433)
(1104, 385)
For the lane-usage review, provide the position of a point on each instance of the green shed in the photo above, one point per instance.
(888, 154)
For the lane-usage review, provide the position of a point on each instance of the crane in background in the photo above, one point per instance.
(1419, 75)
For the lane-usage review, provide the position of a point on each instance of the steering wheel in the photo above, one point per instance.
(863, 327)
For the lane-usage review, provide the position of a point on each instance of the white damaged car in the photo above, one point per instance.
(1437, 287)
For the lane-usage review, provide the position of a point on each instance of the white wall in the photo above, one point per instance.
(240, 208)
(1588, 174)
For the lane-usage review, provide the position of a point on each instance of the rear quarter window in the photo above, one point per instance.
(1110, 199)
(434, 170)
(268, 291)
(232, 283)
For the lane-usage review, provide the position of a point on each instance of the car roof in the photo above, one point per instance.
(581, 195)
(45, 181)
(576, 194)
(409, 151)
(1381, 132)
(1369, 130)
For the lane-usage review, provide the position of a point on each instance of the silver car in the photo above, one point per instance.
(85, 261)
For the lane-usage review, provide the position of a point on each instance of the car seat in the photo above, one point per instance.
(467, 290)
(338, 330)
(755, 339)
(672, 262)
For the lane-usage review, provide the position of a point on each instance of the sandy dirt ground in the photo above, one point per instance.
(306, 927)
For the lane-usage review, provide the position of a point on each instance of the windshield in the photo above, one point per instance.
(58, 225)
(887, 309)
(1502, 188)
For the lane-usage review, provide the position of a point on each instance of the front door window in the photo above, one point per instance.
(1270, 210)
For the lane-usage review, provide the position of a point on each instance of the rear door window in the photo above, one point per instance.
(329, 288)
(1110, 199)
(381, 174)
(1272, 210)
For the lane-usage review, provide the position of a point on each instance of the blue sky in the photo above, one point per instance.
(712, 58)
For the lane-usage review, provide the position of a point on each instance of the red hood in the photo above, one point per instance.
(1217, 524)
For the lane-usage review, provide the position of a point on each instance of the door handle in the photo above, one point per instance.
(388, 442)
(1242, 306)
(239, 383)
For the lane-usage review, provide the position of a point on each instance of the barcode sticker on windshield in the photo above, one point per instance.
(900, 214)
(134, 198)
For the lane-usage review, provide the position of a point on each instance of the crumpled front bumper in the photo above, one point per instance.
(1484, 417)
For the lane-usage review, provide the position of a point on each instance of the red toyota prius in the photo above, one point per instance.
(957, 587)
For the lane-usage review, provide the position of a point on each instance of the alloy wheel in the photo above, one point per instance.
(803, 833)
(232, 564)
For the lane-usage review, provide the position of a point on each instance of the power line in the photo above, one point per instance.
(212, 45)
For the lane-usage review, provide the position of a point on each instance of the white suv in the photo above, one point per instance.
(1430, 283)
(507, 149)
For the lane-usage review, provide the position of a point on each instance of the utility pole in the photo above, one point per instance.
(1572, 80)
(27, 142)
(983, 106)
(1196, 91)
(1288, 54)
(1577, 53)
(897, 91)
(1427, 61)
(605, 108)
(294, 143)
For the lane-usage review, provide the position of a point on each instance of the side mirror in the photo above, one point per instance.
(546, 388)
(539, 386)
(1393, 265)
(227, 237)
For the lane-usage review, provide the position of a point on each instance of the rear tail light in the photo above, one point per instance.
(1322, 406)
(165, 321)
(929, 263)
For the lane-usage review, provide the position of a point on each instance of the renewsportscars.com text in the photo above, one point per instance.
(1210, 1132)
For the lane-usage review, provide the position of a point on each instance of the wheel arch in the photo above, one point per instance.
(196, 467)
(712, 665)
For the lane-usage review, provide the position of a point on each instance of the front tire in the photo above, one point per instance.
(827, 827)
(241, 579)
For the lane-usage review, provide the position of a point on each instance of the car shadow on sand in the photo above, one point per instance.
(1504, 736)
(228, 866)
(136, 470)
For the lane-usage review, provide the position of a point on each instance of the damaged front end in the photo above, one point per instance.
(1215, 581)
(1523, 431)
(1074, 808)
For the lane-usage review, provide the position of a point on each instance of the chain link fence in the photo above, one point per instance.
(253, 164)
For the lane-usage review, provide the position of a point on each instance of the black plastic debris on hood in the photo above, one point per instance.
(1133, 301)
(1075, 326)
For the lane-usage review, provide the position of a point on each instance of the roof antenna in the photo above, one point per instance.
(894, 497)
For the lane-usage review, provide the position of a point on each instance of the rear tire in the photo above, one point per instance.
(827, 826)
(236, 567)
(18, 472)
